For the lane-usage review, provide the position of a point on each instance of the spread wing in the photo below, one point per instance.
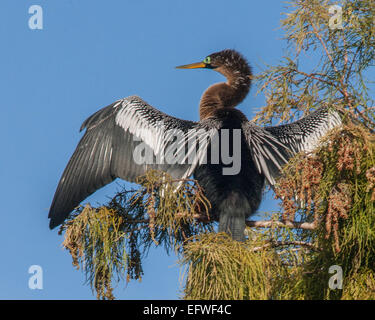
(268, 153)
(305, 134)
(272, 147)
(124, 140)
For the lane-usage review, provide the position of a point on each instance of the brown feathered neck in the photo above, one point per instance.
(227, 94)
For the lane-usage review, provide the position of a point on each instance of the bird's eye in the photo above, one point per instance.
(207, 60)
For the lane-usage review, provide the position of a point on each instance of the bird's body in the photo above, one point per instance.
(108, 150)
(233, 197)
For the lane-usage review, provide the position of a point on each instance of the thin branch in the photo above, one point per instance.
(359, 48)
(324, 46)
(274, 79)
(282, 224)
(313, 76)
(343, 90)
(250, 223)
(275, 244)
(267, 223)
(345, 59)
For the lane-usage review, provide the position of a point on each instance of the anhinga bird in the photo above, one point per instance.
(106, 151)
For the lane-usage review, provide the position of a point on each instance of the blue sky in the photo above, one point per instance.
(89, 54)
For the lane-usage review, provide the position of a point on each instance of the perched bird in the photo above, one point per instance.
(232, 178)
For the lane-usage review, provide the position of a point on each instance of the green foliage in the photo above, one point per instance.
(95, 238)
(336, 191)
(337, 77)
(220, 268)
(327, 214)
(109, 242)
(341, 202)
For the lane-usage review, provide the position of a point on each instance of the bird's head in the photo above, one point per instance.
(228, 62)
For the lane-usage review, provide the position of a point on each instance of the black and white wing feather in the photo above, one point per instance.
(108, 151)
(305, 134)
(268, 153)
(272, 147)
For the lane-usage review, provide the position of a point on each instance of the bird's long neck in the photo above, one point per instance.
(225, 94)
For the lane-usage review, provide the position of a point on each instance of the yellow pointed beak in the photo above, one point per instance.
(193, 66)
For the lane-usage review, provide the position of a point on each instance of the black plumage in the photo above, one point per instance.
(113, 134)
